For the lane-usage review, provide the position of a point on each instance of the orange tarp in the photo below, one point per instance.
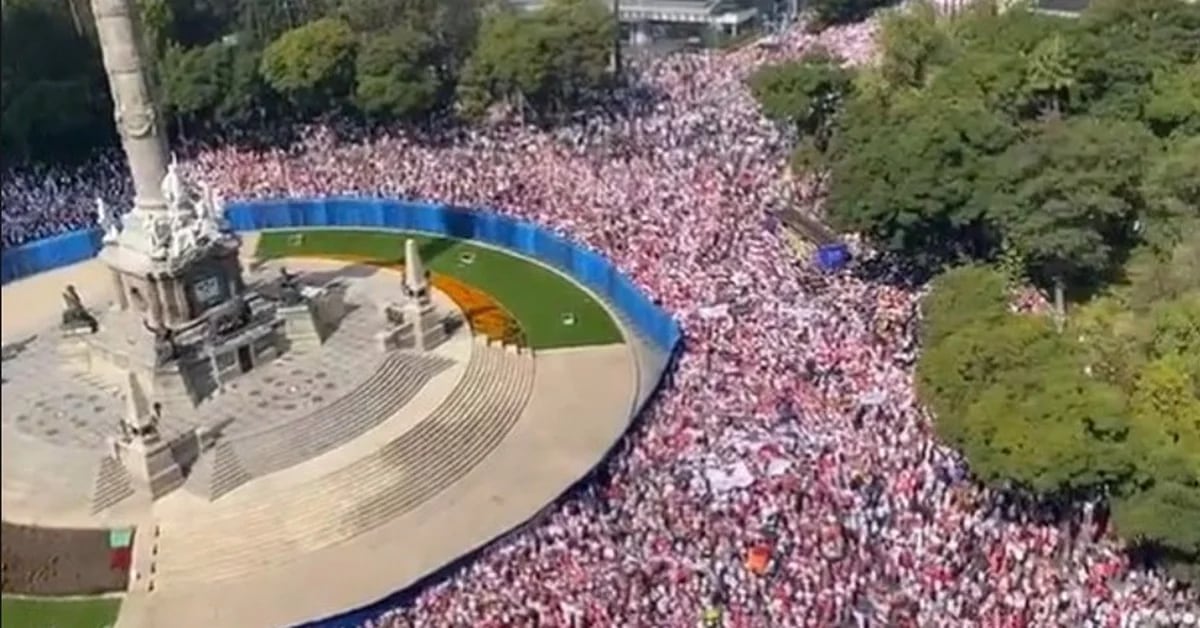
(757, 559)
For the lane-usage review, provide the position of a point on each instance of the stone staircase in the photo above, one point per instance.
(112, 485)
(236, 460)
(217, 471)
(242, 535)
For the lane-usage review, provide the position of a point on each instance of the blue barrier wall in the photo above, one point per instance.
(587, 267)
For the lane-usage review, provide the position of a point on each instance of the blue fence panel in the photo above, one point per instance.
(60, 250)
(423, 217)
(592, 271)
(524, 239)
(394, 217)
(489, 228)
(242, 216)
(458, 223)
(552, 249)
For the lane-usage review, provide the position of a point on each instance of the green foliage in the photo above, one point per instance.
(1113, 405)
(541, 62)
(312, 65)
(1013, 395)
(395, 74)
(194, 79)
(53, 97)
(1122, 44)
(1173, 106)
(830, 12)
(1015, 133)
(960, 297)
(910, 176)
(1068, 196)
(1049, 77)
(1172, 193)
(806, 94)
(913, 43)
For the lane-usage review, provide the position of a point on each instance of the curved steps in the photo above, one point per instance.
(241, 538)
(397, 380)
(113, 485)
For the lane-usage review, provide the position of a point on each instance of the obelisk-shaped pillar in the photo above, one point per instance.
(427, 328)
(414, 269)
(139, 122)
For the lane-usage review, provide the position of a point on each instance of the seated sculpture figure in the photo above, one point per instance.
(289, 288)
(74, 314)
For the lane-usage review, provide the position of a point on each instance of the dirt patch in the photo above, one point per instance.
(57, 561)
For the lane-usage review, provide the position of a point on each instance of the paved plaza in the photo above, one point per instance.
(484, 437)
(46, 399)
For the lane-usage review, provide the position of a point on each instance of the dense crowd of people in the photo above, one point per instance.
(785, 474)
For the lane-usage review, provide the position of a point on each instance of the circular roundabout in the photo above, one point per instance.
(298, 466)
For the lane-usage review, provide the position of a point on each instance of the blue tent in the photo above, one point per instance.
(833, 257)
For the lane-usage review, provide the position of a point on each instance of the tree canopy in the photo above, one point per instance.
(1111, 407)
(223, 64)
(1066, 148)
(1067, 143)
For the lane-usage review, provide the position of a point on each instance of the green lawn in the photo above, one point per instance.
(59, 613)
(537, 296)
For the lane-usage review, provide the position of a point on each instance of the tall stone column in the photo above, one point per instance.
(137, 116)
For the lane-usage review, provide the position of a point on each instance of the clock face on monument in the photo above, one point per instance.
(207, 292)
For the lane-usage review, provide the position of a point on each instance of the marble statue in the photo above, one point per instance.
(173, 191)
(74, 314)
(289, 288)
(158, 234)
(107, 222)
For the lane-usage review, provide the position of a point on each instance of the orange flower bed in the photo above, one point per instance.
(483, 313)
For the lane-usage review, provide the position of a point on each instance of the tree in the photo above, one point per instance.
(511, 63)
(955, 370)
(830, 12)
(539, 62)
(1166, 432)
(1174, 331)
(1047, 428)
(1153, 275)
(581, 34)
(909, 176)
(1013, 396)
(195, 78)
(313, 64)
(450, 25)
(960, 297)
(54, 101)
(395, 74)
(1122, 44)
(246, 95)
(1049, 77)
(1067, 198)
(806, 94)
(1174, 104)
(1172, 192)
(912, 44)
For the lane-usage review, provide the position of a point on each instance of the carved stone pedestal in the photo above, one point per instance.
(74, 350)
(428, 330)
(301, 326)
(150, 464)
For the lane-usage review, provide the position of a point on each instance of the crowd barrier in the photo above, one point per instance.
(585, 266)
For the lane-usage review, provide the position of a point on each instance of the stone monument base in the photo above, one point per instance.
(150, 464)
(186, 375)
(301, 326)
(428, 329)
(420, 327)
